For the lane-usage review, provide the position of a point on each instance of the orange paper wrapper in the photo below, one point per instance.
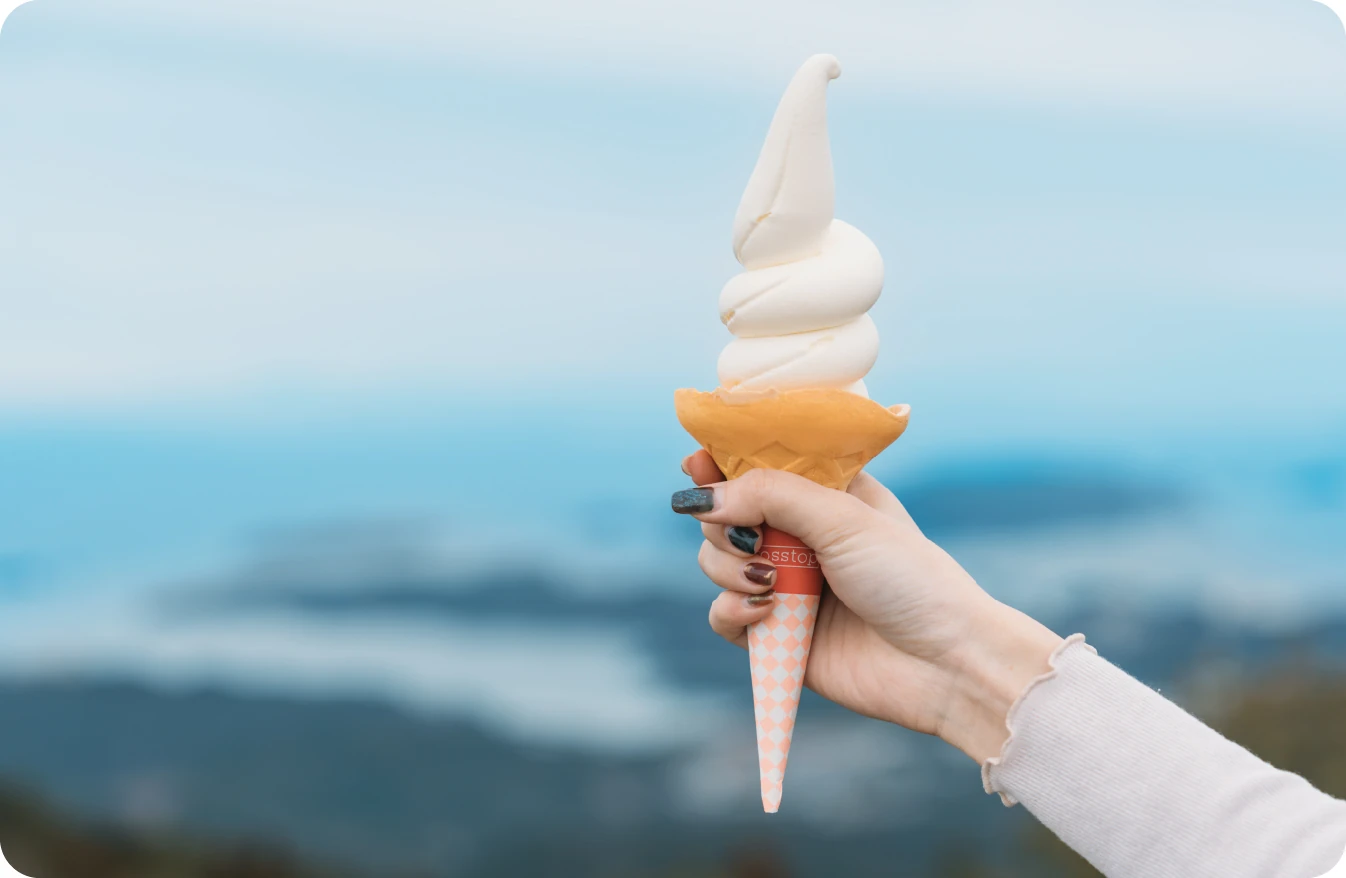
(826, 436)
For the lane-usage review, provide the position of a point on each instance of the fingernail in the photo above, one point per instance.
(693, 500)
(685, 470)
(744, 538)
(759, 574)
(758, 601)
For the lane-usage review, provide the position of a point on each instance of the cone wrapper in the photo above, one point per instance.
(824, 435)
(778, 653)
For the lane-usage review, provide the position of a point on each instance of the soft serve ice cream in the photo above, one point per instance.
(792, 394)
(799, 313)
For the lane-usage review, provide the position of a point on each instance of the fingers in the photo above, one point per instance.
(731, 571)
(734, 539)
(701, 467)
(819, 516)
(731, 614)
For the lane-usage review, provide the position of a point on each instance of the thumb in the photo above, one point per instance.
(821, 517)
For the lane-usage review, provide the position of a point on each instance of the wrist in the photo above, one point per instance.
(1004, 651)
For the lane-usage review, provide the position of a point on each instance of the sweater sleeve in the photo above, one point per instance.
(1142, 789)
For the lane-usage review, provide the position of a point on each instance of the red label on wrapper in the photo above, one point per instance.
(797, 570)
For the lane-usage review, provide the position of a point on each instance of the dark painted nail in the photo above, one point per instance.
(744, 538)
(693, 500)
(759, 574)
(757, 601)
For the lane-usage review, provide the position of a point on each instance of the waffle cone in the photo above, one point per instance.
(824, 435)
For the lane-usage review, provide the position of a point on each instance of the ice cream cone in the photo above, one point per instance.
(827, 436)
(824, 435)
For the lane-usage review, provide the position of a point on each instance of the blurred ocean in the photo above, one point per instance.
(110, 532)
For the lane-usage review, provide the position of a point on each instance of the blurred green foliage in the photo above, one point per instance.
(1293, 719)
(44, 844)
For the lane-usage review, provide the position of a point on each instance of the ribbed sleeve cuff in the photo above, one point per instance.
(1141, 789)
(1073, 642)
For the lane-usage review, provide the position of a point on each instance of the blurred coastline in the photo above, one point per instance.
(211, 783)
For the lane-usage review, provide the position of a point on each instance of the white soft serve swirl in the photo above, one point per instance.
(799, 312)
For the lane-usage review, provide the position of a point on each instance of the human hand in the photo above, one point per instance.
(904, 635)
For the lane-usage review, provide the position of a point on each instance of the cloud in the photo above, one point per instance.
(233, 198)
(593, 687)
(1239, 52)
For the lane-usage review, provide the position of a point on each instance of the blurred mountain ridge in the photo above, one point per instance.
(365, 785)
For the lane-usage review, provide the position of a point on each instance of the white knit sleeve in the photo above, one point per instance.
(1142, 789)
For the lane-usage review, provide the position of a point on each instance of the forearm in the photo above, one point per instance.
(1004, 652)
(1141, 788)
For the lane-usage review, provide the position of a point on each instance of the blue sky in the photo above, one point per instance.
(1109, 232)
(253, 201)
(271, 265)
